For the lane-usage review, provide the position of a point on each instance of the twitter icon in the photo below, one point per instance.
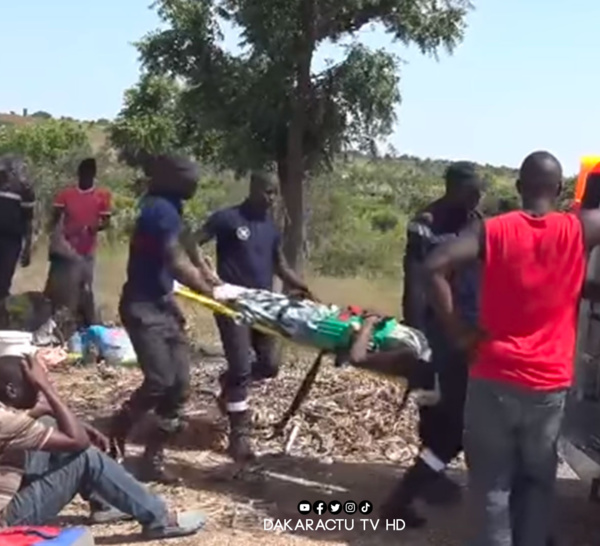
(335, 507)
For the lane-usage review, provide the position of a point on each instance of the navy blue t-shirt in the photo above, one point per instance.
(247, 243)
(158, 223)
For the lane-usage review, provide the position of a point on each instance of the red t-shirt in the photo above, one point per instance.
(531, 283)
(83, 211)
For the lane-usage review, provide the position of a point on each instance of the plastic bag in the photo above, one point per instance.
(111, 344)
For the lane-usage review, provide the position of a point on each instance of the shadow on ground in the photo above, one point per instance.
(283, 482)
(286, 481)
(205, 430)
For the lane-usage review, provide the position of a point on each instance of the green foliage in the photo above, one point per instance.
(267, 105)
(150, 119)
(45, 142)
(247, 99)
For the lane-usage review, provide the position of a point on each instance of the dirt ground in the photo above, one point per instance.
(238, 505)
(352, 444)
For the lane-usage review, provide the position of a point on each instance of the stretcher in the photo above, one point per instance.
(222, 309)
(332, 337)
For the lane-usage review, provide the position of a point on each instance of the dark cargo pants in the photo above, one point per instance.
(70, 287)
(441, 425)
(156, 330)
(511, 438)
(10, 251)
(238, 342)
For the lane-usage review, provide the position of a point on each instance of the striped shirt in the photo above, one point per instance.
(425, 232)
(19, 433)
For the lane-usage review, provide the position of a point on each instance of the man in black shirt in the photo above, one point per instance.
(440, 425)
(17, 201)
(249, 254)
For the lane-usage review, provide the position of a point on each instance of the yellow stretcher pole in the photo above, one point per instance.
(218, 307)
(222, 309)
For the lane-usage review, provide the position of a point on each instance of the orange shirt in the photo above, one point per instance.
(83, 211)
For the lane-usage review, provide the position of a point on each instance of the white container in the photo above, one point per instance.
(16, 343)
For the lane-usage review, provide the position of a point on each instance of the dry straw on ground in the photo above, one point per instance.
(352, 444)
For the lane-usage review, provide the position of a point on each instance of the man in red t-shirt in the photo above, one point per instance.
(533, 269)
(80, 213)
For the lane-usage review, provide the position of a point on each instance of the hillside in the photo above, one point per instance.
(96, 129)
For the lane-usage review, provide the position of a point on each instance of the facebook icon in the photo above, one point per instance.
(319, 507)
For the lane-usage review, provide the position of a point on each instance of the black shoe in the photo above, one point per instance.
(442, 491)
(120, 427)
(239, 448)
(407, 513)
(261, 374)
(152, 468)
(409, 488)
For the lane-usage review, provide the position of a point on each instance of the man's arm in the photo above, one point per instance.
(105, 211)
(58, 242)
(191, 243)
(22, 432)
(184, 271)
(286, 273)
(58, 208)
(28, 207)
(395, 363)
(42, 409)
(168, 226)
(444, 260)
(413, 295)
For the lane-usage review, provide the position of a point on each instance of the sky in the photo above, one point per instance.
(522, 80)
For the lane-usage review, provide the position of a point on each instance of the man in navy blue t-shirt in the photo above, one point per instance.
(249, 254)
(151, 316)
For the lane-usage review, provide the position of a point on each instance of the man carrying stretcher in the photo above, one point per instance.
(440, 425)
(249, 254)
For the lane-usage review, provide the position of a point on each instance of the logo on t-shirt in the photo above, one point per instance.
(243, 233)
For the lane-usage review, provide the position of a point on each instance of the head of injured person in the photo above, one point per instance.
(172, 176)
(16, 390)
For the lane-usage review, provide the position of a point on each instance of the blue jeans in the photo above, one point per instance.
(510, 439)
(52, 480)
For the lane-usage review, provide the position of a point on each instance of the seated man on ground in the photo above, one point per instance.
(43, 468)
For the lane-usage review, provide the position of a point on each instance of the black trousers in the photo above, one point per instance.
(69, 287)
(441, 426)
(238, 342)
(156, 329)
(10, 251)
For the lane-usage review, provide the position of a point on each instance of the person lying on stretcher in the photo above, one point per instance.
(400, 362)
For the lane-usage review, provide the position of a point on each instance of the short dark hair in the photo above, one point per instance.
(11, 370)
(87, 168)
(462, 173)
(261, 177)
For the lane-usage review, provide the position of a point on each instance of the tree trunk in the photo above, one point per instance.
(292, 193)
(292, 173)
